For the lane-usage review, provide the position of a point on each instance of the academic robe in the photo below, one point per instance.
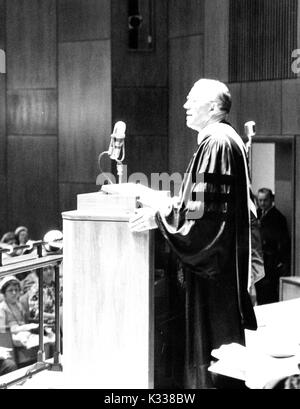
(208, 228)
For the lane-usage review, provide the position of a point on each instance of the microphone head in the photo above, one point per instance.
(117, 140)
(119, 129)
(249, 128)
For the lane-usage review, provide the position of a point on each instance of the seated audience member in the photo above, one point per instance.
(30, 280)
(9, 241)
(12, 314)
(30, 300)
(9, 238)
(275, 245)
(30, 297)
(22, 235)
(29, 289)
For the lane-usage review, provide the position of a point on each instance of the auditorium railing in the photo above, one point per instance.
(37, 260)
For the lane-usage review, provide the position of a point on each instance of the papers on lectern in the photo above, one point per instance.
(256, 368)
(147, 196)
(130, 189)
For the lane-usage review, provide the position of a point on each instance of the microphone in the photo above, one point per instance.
(117, 141)
(249, 129)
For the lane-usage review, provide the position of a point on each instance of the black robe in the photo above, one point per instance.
(213, 246)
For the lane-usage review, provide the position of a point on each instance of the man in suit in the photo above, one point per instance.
(275, 245)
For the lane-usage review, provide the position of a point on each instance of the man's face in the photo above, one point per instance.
(198, 109)
(264, 201)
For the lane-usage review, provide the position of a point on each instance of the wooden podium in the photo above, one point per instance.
(108, 307)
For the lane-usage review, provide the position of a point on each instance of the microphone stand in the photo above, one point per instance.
(250, 156)
(119, 170)
(99, 164)
(249, 135)
(114, 150)
(120, 166)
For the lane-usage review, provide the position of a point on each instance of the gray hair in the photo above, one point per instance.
(217, 91)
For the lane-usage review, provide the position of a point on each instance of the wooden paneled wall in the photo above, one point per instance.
(275, 105)
(3, 193)
(198, 47)
(298, 27)
(296, 122)
(31, 115)
(186, 65)
(140, 91)
(216, 38)
(65, 83)
(55, 107)
(284, 179)
(262, 35)
(297, 206)
(84, 88)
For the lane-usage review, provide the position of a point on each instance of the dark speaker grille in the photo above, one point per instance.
(262, 36)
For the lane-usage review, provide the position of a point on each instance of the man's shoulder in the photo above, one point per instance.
(219, 132)
(276, 213)
(274, 217)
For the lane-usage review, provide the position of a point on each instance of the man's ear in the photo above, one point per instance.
(213, 106)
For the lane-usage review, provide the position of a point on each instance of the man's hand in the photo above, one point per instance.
(156, 201)
(143, 219)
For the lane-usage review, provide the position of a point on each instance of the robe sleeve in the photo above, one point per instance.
(198, 225)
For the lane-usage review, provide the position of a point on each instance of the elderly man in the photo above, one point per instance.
(208, 226)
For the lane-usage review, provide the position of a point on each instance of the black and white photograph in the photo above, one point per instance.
(150, 197)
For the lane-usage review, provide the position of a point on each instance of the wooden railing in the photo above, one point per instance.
(35, 260)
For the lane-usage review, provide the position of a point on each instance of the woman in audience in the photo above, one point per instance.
(22, 235)
(9, 241)
(30, 299)
(9, 238)
(12, 316)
